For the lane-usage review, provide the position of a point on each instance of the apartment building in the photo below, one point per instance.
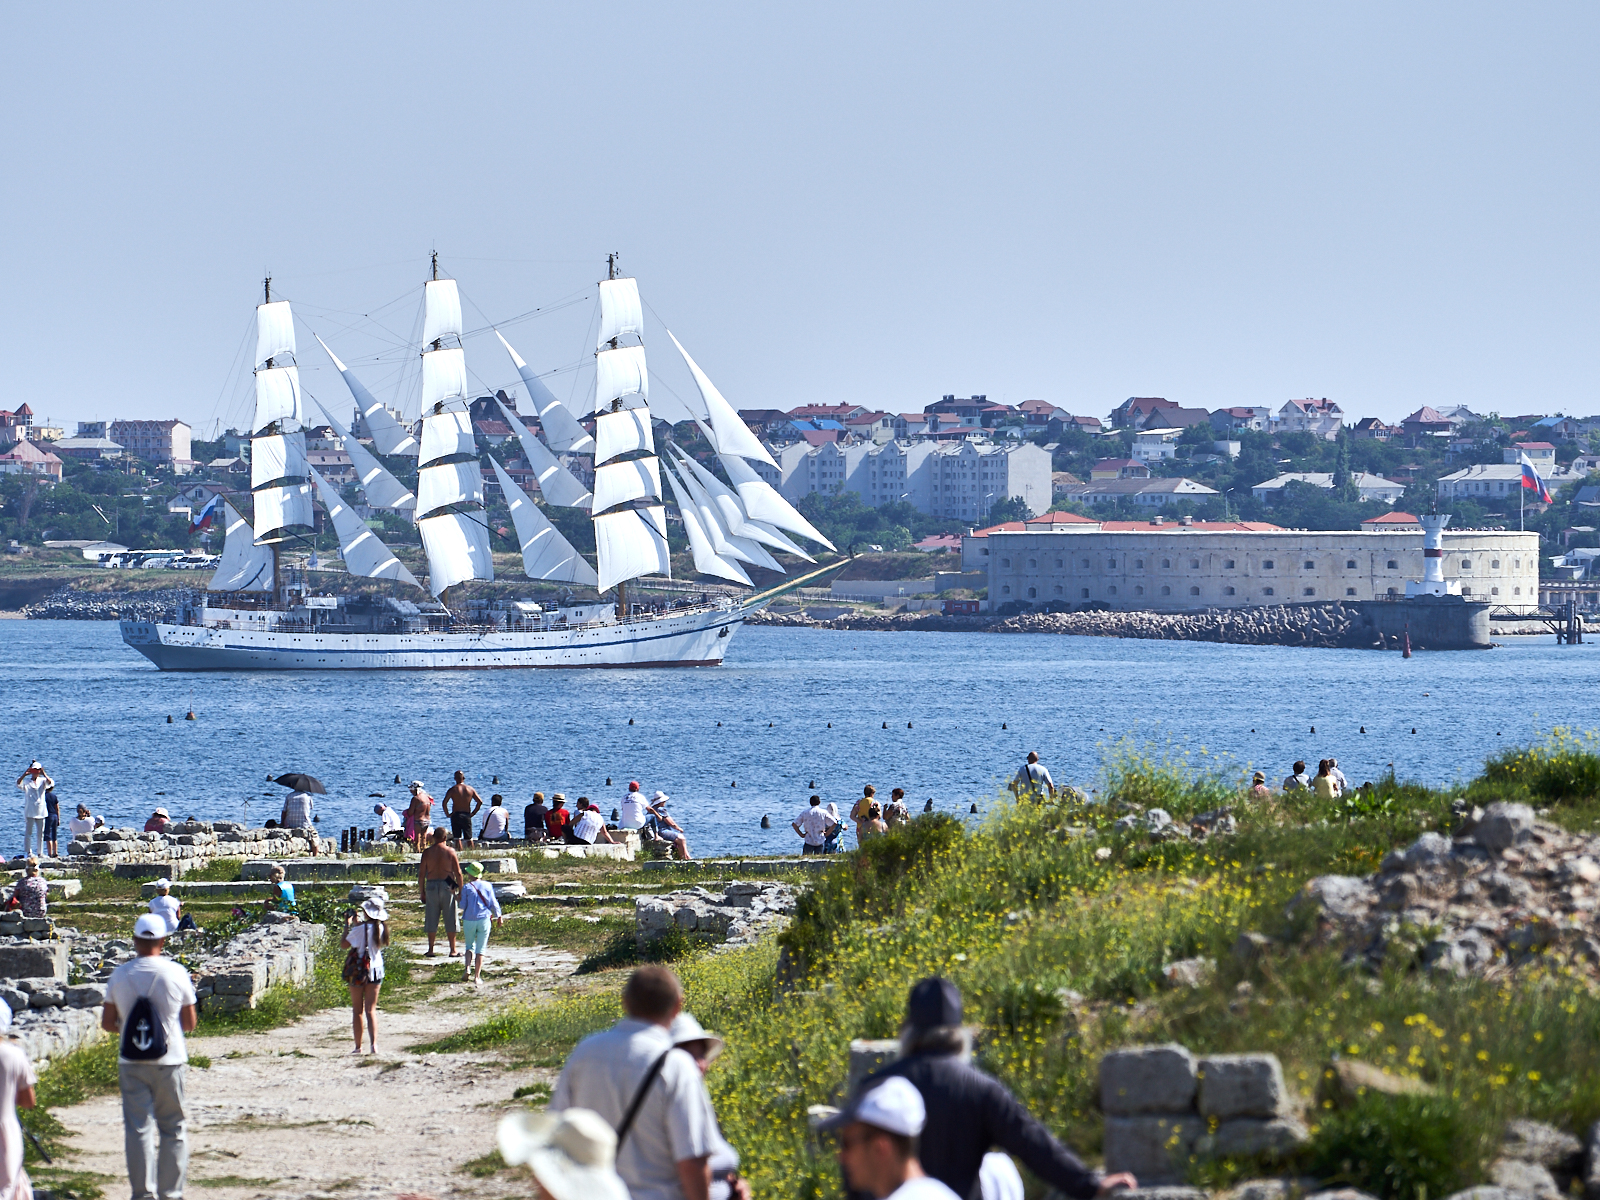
(165, 443)
(962, 479)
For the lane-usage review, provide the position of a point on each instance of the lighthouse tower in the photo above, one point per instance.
(1433, 582)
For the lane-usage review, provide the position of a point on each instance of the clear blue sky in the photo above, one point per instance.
(1385, 204)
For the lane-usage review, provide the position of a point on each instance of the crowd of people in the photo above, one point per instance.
(820, 826)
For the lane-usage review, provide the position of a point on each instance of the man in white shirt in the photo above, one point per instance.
(590, 825)
(635, 810)
(664, 1152)
(1033, 780)
(150, 1002)
(34, 784)
(878, 1143)
(812, 825)
(392, 822)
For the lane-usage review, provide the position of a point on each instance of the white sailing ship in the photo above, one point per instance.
(259, 614)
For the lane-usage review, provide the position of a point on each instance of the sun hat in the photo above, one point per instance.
(161, 812)
(150, 926)
(894, 1106)
(933, 1002)
(163, 885)
(570, 1153)
(35, 766)
(416, 785)
(558, 797)
(686, 1029)
(472, 868)
(374, 907)
(660, 798)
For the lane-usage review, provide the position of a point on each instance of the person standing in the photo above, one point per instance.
(1338, 776)
(496, 822)
(1032, 780)
(665, 1150)
(438, 879)
(895, 812)
(461, 804)
(878, 1144)
(366, 934)
(836, 829)
(17, 1081)
(31, 893)
(968, 1112)
(812, 826)
(150, 1002)
(858, 810)
(52, 822)
(533, 816)
(478, 905)
(419, 815)
(726, 1182)
(34, 783)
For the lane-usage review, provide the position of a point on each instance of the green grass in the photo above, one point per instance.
(231, 1181)
(543, 1035)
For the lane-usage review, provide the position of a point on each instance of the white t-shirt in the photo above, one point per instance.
(926, 1188)
(15, 1071)
(33, 789)
(998, 1178)
(79, 826)
(166, 907)
(633, 812)
(813, 824)
(494, 821)
(588, 827)
(392, 821)
(366, 937)
(169, 988)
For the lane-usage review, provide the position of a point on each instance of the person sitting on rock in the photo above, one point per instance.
(31, 895)
(1299, 781)
(159, 821)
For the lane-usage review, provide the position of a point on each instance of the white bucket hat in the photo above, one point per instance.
(686, 1029)
(161, 812)
(163, 885)
(571, 1153)
(374, 907)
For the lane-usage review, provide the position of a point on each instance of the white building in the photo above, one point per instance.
(957, 479)
(1321, 417)
(1156, 445)
(1368, 487)
(1498, 481)
(1152, 493)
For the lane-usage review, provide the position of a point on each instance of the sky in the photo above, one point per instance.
(1231, 203)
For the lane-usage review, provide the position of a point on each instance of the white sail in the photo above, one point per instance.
(441, 309)
(283, 506)
(278, 397)
(449, 483)
(631, 543)
(763, 503)
(706, 559)
(769, 536)
(364, 552)
(388, 435)
(280, 456)
(458, 549)
(382, 489)
(734, 517)
(618, 483)
(728, 544)
(445, 434)
(245, 566)
(444, 377)
(618, 433)
(620, 372)
(545, 553)
(733, 436)
(561, 429)
(556, 484)
(274, 330)
(620, 310)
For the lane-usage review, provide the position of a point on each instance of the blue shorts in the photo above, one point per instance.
(475, 935)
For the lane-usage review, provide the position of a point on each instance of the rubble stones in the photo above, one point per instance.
(1242, 1085)
(1147, 1079)
(32, 960)
(1502, 826)
(1155, 1148)
(1189, 972)
(70, 604)
(736, 916)
(1252, 1137)
(1526, 1178)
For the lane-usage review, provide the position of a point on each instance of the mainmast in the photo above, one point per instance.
(279, 472)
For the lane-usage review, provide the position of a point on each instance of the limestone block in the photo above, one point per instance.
(1147, 1079)
(1242, 1085)
(34, 960)
(86, 995)
(1429, 850)
(866, 1056)
(48, 998)
(1502, 825)
(1189, 972)
(1155, 1148)
(512, 889)
(1530, 1179)
(1536, 1142)
(1485, 1192)
(499, 866)
(242, 978)
(1252, 1137)
(1346, 1081)
(1270, 1189)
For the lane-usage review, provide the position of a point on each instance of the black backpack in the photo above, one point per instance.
(144, 1038)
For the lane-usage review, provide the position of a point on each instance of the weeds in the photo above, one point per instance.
(1560, 768)
(623, 950)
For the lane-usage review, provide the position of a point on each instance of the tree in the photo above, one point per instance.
(1013, 508)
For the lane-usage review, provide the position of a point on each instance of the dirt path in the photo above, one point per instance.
(291, 1113)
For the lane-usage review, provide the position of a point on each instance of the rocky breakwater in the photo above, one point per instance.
(735, 916)
(1508, 891)
(1324, 625)
(133, 853)
(879, 621)
(71, 604)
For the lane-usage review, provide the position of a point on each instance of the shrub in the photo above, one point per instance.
(1397, 1147)
(1561, 768)
(1151, 775)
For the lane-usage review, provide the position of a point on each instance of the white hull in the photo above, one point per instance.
(688, 639)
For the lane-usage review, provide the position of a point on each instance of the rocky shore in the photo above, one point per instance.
(70, 604)
(1326, 625)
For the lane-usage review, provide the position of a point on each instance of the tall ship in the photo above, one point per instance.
(260, 612)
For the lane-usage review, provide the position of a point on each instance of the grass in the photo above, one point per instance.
(231, 1181)
(543, 1035)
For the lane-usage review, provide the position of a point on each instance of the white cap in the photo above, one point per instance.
(150, 926)
(34, 766)
(572, 1154)
(894, 1106)
(163, 885)
(161, 812)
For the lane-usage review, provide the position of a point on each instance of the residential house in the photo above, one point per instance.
(914, 425)
(872, 427)
(1559, 428)
(87, 448)
(1155, 493)
(1373, 429)
(764, 422)
(1135, 410)
(1321, 417)
(1541, 454)
(1087, 424)
(1176, 418)
(828, 412)
(15, 426)
(225, 467)
(196, 496)
(491, 432)
(1060, 481)
(1118, 468)
(1494, 482)
(358, 423)
(165, 443)
(24, 458)
(1233, 420)
(973, 411)
(93, 429)
(235, 442)
(1368, 487)
(1156, 445)
(1426, 422)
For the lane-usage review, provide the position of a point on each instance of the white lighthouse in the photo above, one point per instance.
(1433, 582)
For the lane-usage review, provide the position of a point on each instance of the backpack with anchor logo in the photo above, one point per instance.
(143, 1036)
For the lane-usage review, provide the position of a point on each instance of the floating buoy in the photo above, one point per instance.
(630, 720)
(161, 793)
(908, 724)
(189, 716)
(1363, 729)
(1313, 729)
(812, 785)
(886, 724)
(1252, 731)
(615, 815)
(766, 821)
(974, 807)
(928, 807)
(169, 718)
(397, 779)
(608, 781)
(494, 779)
(735, 783)
(719, 724)
(1497, 733)
(1413, 729)
(830, 724)
(769, 724)
(1002, 724)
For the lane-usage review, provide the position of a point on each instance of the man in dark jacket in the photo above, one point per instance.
(970, 1113)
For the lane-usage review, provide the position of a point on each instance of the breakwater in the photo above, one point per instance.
(72, 604)
(1324, 625)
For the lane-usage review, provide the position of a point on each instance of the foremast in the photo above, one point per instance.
(279, 472)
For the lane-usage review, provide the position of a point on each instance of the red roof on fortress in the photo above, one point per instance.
(1173, 525)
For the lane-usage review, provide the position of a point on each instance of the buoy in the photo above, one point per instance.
(169, 718)
(1413, 729)
(397, 779)
(974, 807)
(608, 781)
(719, 724)
(189, 716)
(928, 807)
(735, 783)
(830, 724)
(886, 724)
(494, 779)
(908, 724)
(766, 821)
(630, 720)
(1002, 724)
(769, 724)
(615, 815)
(812, 785)
(1252, 731)
(1363, 729)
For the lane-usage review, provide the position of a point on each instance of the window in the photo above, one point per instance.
(1466, 564)
(1111, 564)
(1227, 591)
(1266, 565)
(1166, 562)
(1058, 589)
(1033, 562)
(1393, 566)
(1138, 591)
(1084, 564)
(1350, 565)
(1005, 562)
(1494, 591)
(1494, 565)
(1058, 562)
(1194, 564)
(1349, 591)
(1112, 589)
(1166, 591)
(1393, 592)
(1227, 565)
(1308, 591)
(1466, 591)
(1516, 563)
(1085, 593)
(1516, 591)
(1032, 592)
(1264, 591)
(1005, 590)
(1138, 564)
(1194, 591)
(1311, 564)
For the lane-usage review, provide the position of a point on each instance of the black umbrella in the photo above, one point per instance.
(295, 781)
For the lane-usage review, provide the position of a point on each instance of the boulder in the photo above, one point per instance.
(1147, 1079)
(48, 998)
(1270, 1189)
(1242, 1085)
(1536, 1142)
(1429, 850)
(1502, 825)
(34, 960)
(1189, 972)
(1253, 1137)
(1530, 1179)
(1337, 896)
(86, 995)
(1155, 1148)
(1346, 1081)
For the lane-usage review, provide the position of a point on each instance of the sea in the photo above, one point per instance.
(947, 716)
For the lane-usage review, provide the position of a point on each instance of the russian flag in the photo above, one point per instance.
(202, 519)
(1531, 481)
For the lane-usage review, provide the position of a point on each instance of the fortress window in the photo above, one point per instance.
(1494, 591)
(1516, 591)
(1393, 566)
(1058, 562)
(1005, 562)
(1495, 565)
(1138, 591)
(1266, 565)
(1085, 594)
(1058, 589)
(1466, 564)
(1032, 592)
(1227, 591)
(1111, 564)
(1466, 591)
(1194, 564)
(1311, 564)
(1266, 591)
(1166, 562)
(1138, 564)
(1393, 592)
(1166, 591)
(1194, 591)
(1227, 565)
(1085, 564)
(1112, 589)
(1005, 590)
(1033, 562)
(1350, 564)
(1308, 591)
(1349, 591)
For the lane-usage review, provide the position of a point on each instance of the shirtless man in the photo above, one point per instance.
(461, 804)
(419, 814)
(439, 869)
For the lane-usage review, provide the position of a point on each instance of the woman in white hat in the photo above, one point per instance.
(572, 1154)
(365, 936)
(703, 1047)
(158, 822)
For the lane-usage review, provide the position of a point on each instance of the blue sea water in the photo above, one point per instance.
(732, 743)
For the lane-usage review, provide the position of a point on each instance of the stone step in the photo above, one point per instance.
(297, 869)
(621, 853)
(748, 866)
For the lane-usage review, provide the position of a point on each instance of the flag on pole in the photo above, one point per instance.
(1532, 481)
(202, 519)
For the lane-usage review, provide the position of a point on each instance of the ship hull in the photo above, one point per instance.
(698, 639)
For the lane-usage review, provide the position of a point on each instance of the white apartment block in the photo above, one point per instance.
(945, 479)
(1321, 417)
(163, 442)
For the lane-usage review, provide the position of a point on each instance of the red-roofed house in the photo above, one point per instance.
(27, 459)
(828, 412)
(872, 426)
(1232, 420)
(1393, 522)
(819, 437)
(1119, 468)
(1321, 417)
(1425, 421)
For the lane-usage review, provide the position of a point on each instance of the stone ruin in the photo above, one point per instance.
(186, 845)
(735, 916)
